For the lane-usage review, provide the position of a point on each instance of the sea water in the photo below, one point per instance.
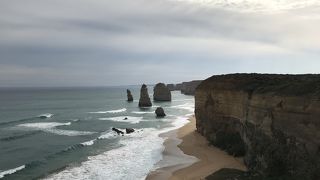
(65, 133)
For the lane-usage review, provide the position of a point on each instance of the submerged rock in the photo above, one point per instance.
(117, 131)
(161, 93)
(129, 130)
(129, 95)
(144, 100)
(160, 112)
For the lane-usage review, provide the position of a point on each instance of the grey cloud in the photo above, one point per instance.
(79, 42)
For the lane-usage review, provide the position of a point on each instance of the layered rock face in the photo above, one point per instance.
(144, 100)
(161, 93)
(189, 88)
(271, 120)
(171, 87)
(129, 96)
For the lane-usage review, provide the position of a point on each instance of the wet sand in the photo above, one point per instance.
(190, 157)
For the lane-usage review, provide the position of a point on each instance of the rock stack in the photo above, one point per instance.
(161, 93)
(144, 100)
(160, 112)
(129, 95)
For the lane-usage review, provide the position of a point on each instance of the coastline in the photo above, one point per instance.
(187, 155)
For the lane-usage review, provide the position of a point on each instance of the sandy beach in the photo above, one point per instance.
(191, 156)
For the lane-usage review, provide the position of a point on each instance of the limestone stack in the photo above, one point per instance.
(161, 93)
(144, 100)
(129, 95)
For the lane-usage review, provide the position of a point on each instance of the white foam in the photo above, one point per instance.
(186, 106)
(46, 115)
(130, 119)
(44, 125)
(51, 128)
(108, 135)
(110, 111)
(134, 160)
(11, 171)
(88, 143)
(142, 112)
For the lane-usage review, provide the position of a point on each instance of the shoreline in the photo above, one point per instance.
(187, 155)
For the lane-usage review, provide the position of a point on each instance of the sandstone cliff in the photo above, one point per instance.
(271, 120)
(161, 92)
(189, 88)
(144, 100)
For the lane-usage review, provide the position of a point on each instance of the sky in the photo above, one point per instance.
(129, 42)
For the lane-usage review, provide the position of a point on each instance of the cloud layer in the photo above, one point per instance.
(97, 43)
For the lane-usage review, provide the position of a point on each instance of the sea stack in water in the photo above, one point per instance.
(129, 95)
(160, 112)
(161, 93)
(144, 100)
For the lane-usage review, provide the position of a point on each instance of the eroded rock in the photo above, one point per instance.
(160, 112)
(161, 92)
(144, 100)
(129, 96)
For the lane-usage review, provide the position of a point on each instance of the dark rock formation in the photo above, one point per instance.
(161, 93)
(171, 87)
(117, 131)
(129, 95)
(178, 87)
(144, 100)
(129, 130)
(189, 88)
(271, 120)
(160, 112)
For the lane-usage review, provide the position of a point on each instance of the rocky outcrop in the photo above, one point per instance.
(160, 112)
(129, 130)
(178, 87)
(119, 132)
(171, 87)
(271, 120)
(129, 95)
(189, 88)
(161, 92)
(144, 100)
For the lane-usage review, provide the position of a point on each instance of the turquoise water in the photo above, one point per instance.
(75, 140)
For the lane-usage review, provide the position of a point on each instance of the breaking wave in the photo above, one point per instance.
(128, 119)
(110, 111)
(51, 127)
(11, 171)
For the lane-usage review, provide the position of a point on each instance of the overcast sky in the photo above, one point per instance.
(125, 42)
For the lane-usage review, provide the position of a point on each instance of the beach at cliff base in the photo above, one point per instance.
(190, 156)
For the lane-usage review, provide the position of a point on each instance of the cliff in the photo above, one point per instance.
(271, 120)
(189, 88)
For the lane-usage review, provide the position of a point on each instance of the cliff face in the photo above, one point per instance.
(189, 88)
(271, 120)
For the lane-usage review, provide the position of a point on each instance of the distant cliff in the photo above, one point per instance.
(187, 88)
(271, 120)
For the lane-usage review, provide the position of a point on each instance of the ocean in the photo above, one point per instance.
(65, 133)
